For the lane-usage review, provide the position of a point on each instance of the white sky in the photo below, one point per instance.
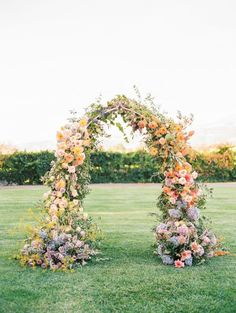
(59, 55)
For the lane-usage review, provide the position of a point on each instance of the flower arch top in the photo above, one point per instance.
(66, 235)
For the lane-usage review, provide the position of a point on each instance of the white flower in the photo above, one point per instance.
(74, 192)
(182, 173)
(76, 202)
(194, 175)
(182, 181)
(71, 169)
(188, 198)
(172, 200)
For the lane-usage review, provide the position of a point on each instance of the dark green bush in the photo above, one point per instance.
(25, 168)
(112, 167)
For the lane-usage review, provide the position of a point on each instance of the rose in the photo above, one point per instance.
(71, 169)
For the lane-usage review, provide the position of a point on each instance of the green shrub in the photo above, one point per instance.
(113, 167)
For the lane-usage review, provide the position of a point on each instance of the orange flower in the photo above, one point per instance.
(178, 167)
(166, 189)
(153, 151)
(221, 253)
(180, 136)
(152, 125)
(178, 127)
(162, 130)
(68, 157)
(60, 136)
(179, 264)
(184, 152)
(142, 124)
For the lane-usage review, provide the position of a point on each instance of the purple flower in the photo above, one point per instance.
(174, 213)
(174, 241)
(167, 259)
(189, 261)
(193, 213)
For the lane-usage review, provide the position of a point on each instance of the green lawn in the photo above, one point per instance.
(133, 279)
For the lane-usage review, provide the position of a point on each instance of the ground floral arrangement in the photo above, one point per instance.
(66, 237)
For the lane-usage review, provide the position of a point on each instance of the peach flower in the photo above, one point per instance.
(186, 255)
(79, 159)
(152, 125)
(181, 239)
(153, 151)
(194, 246)
(68, 158)
(162, 141)
(179, 264)
(142, 124)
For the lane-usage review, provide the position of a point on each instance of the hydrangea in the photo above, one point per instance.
(189, 261)
(167, 259)
(193, 213)
(174, 213)
(174, 240)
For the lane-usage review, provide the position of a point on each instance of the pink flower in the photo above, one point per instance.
(179, 264)
(71, 169)
(206, 240)
(183, 230)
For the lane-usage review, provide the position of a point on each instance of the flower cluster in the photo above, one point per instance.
(66, 235)
(182, 238)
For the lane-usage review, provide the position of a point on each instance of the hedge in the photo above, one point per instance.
(112, 167)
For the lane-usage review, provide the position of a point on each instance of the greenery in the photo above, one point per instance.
(130, 278)
(111, 167)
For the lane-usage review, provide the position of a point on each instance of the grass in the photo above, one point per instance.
(133, 279)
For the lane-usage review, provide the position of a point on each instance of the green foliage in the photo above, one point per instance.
(25, 168)
(113, 167)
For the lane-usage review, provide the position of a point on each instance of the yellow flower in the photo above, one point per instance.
(83, 122)
(60, 136)
(60, 184)
(78, 150)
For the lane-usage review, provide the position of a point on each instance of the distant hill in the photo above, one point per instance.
(7, 149)
(222, 131)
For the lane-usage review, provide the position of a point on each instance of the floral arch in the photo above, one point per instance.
(66, 237)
